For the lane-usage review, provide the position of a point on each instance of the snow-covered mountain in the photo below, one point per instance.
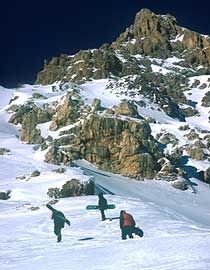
(157, 75)
(137, 109)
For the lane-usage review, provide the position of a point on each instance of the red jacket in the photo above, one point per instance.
(127, 220)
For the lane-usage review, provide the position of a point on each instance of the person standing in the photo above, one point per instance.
(102, 205)
(59, 221)
(127, 225)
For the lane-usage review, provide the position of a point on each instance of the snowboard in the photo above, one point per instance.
(94, 207)
(85, 238)
(138, 231)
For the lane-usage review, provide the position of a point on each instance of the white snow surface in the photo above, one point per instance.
(176, 223)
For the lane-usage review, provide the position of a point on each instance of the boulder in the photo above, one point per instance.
(5, 195)
(180, 184)
(4, 151)
(72, 188)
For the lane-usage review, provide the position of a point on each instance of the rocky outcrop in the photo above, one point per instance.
(67, 112)
(207, 175)
(150, 35)
(196, 150)
(5, 195)
(29, 132)
(127, 108)
(180, 184)
(94, 64)
(54, 70)
(206, 100)
(160, 36)
(56, 155)
(72, 188)
(4, 151)
(35, 173)
(22, 111)
(124, 147)
(29, 116)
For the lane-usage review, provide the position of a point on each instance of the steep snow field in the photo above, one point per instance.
(176, 223)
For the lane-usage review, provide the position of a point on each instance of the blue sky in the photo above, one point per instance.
(32, 31)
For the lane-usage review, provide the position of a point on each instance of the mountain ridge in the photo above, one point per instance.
(151, 35)
(148, 120)
(149, 92)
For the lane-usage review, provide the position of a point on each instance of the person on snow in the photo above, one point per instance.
(102, 205)
(59, 221)
(127, 225)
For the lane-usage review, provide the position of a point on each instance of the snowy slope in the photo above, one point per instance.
(176, 224)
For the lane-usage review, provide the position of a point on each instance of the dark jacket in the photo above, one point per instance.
(58, 217)
(102, 202)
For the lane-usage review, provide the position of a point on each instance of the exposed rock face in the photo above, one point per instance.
(124, 147)
(54, 70)
(112, 144)
(41, 116)
(127, 108)
(55, 155)
(95, 64)
(151, 34)
(67, 113)
(167, 171)
(196, 150)
(29, 133)
(160, 36)
(29, 116)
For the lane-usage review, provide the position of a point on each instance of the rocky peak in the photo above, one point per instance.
(161, 36)
(146, 22)
(153, 35)
(150, 30)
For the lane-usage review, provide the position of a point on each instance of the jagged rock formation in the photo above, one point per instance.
(124, 147)
(67, 112)
(127, 108)
(29, 116)
(72, 188)
(154, 59)
(151, 38)
(150, 35)
(160, 36)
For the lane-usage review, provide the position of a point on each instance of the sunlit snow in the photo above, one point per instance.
(176, 223)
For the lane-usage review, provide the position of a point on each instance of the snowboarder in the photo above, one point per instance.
(102, 204)
(127, 225)
(59, 221)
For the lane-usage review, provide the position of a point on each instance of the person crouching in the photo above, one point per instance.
(127, 224)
